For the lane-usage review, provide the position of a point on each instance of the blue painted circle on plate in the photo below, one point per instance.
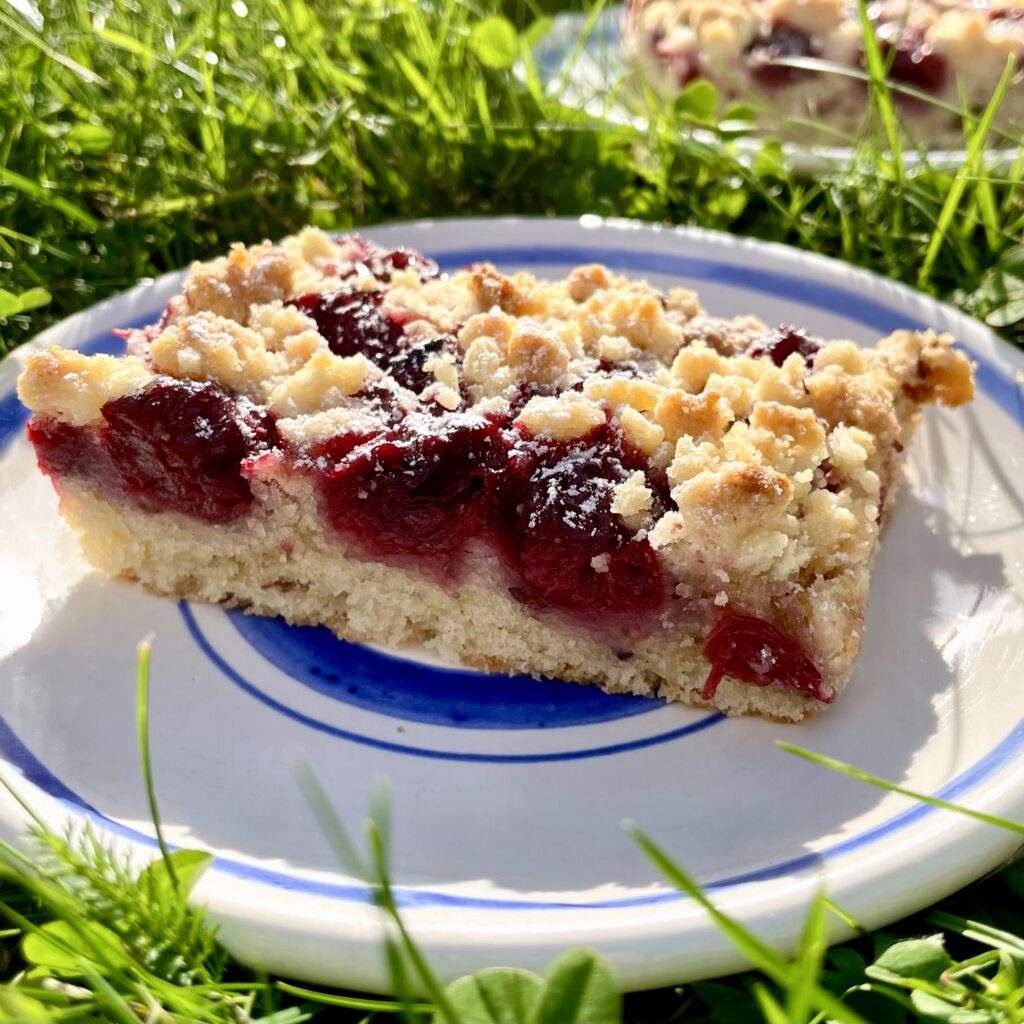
(416, 692)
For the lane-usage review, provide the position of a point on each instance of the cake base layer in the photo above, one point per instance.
(278, 561)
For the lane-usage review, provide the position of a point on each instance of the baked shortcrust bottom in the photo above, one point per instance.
(278, 562)
(588, 479)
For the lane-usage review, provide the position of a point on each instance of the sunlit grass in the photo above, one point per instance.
(135, 137)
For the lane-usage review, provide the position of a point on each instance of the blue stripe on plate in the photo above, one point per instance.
(398, 687)
(17, 754)
(438, 755)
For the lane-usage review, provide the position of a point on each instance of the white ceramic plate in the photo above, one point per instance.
(583, 75)
(508, 794)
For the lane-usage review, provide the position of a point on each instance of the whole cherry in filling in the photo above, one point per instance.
(417, 491)
(756, 652)
(558, 533)
(177, 446)
(354, 322)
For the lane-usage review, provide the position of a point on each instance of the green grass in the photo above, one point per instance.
(136, 136)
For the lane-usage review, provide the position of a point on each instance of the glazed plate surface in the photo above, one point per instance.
(508, 795)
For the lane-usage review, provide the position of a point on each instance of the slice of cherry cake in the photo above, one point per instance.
(586, 479)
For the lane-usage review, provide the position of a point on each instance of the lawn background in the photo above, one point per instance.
(137, 136)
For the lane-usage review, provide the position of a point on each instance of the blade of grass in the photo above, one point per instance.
(142, 727)
(874, 780)
(807, 963)
(60, 58)
(971, 165)
(771, 1011)
(848, 919)
(881, 95)
(385, 895)
(329, 823)
(759, 953)
(377, 871)
(115, 1006)
(979, 931)
(349, 1002)
(11, 179)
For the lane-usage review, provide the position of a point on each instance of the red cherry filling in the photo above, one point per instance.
(180, 445)
(782, 343)
(430, 487)
(404, 259)
(64, 450)
(783, 41)
(756, 652)
(352, 321)
(382, 264)
(176, 446)
(559, 535)
(416, 491)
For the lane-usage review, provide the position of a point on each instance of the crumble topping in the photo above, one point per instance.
(229, 286)
(564, 418)
(72, 387)
(321, 384)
